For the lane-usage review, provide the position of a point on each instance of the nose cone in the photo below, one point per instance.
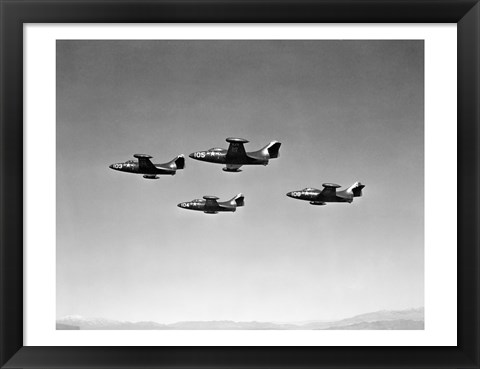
(111, 166)
(289, 194)
(191, 155)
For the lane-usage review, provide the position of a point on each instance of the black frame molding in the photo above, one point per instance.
(14, 13)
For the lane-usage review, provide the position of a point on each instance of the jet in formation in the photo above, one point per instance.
(236, 156)
(328, 194)
(144, 166)
(210, 205)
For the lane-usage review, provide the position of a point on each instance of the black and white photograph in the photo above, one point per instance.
(240, 185)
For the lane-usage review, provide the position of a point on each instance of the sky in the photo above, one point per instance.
(344, 111)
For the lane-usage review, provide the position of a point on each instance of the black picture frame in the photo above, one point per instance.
(14, 13)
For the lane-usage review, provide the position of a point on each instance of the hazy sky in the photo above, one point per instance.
(343, 110)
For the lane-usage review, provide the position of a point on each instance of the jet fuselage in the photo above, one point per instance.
(328, 194)
(201, 205)
(210, 205)
(132, 166)
(236, 156)
(315, 195)
(144, 166)
(221, 156)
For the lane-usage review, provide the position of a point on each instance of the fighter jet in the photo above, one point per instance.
(149, 170)
(328, 194)
(210, 205)
(235, 156)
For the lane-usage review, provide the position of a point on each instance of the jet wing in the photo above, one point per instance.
(236, 151)
(144, 163)
(330, 189)
(210, 201)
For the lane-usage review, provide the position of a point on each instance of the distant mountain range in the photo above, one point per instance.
(411, 319)
(399, 324)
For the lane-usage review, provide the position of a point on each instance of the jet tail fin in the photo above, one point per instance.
(356, 189)
(238, 200)
(177, 163)
(273, 149)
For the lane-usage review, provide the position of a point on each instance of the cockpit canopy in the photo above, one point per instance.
(215, 149)
(308, 189)
(130, 162)
(198, 200)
